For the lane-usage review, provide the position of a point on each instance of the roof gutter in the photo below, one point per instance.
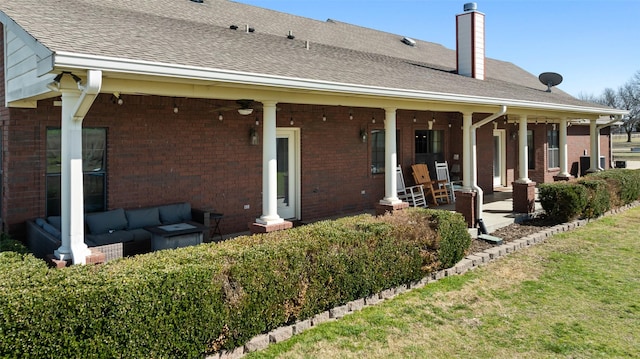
(474, 164)
(614, 120)
(67, 60)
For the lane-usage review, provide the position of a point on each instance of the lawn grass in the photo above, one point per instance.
(575, 296)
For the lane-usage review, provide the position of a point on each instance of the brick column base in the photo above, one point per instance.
(524, 197)
(384, 208)
(96, 257)
(266, 228)
(466, 205)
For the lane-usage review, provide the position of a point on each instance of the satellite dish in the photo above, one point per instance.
(550, 79)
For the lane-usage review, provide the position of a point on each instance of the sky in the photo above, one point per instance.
(593, 44)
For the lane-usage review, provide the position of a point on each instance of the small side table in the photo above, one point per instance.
(215, 224)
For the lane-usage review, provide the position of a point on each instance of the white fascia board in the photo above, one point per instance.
(158, 69)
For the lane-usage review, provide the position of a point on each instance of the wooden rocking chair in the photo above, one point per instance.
(414, 195)
(433, 189)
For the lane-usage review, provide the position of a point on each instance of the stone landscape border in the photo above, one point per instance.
(470, 262)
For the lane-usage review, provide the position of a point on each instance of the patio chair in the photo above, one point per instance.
(433, 189)
(414, 195)
(442, 173)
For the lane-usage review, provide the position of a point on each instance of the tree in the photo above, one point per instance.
(629, 99)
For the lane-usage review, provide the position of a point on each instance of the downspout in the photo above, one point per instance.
(88, 94)
(474, 164)
(614, 120)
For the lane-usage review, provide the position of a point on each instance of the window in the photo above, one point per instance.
(378, 152)
(531, 151)
(553, 149)
(429, 147)
(94, 141)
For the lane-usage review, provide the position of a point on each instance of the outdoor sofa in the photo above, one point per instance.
(116, 233)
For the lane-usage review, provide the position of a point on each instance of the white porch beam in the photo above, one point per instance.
(594, 137)
(564, 149)
(269, 166)
(391, 158)
(524, 151)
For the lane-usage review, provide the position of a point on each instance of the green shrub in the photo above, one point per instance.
(195, 300)
(598, 197)
(624, 183)
(11, 245)
(563, 201)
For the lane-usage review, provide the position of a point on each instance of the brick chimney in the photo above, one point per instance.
(470, 42)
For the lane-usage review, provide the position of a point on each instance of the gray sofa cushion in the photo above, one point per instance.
(105, 222)
(175, 213)
(55, 232)
(55, 221)
(94, 240)
(139, 218)
(140, 234)
(52, 230)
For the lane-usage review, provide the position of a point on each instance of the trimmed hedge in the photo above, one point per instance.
(624, 184)
(590, 196)
(196, 300)
(563, 201)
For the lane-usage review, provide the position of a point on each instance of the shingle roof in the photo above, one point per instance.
(197, 34)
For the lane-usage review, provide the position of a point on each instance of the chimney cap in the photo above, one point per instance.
(470, 6)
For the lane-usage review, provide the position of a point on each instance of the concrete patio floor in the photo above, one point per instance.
(497, 212)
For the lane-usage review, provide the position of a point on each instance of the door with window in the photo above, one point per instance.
(429, 148)
(288, 156)
(499, 158)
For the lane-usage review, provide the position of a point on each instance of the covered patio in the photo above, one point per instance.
(224, 118)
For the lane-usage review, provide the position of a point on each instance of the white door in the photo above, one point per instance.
(288, 155)
(499, 158)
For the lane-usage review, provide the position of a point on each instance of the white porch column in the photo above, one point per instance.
(467, 121)
(524, 151)
(391, 159)
(72, 189)
(594, 136)
(269, 166)
(564, 152)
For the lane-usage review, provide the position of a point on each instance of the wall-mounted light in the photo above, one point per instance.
(415, 119)
(220, 117)
(257, 121)
(433, 117)
(514, 135)
(363, 135)
(291, 121)
(449, 124)
(175, 108)
(373, 119)
(117, 98)
(253, 137)
(324, 117)
(351, 115)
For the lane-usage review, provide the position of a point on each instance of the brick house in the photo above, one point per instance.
(261, 115)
